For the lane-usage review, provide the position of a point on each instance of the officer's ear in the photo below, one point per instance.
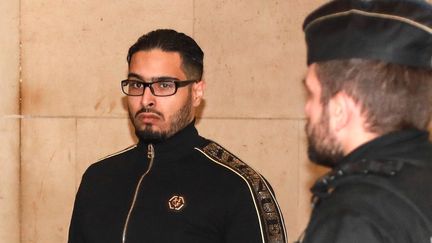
(340, 108)
(198, 92)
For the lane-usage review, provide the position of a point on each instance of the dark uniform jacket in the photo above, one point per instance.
(381, 192)
(193, 190)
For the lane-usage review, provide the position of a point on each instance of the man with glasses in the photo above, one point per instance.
(369, 85)
(174, 185)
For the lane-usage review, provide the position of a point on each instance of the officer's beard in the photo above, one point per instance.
(323, 147)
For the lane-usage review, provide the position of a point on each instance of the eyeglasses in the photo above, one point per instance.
(158, 88)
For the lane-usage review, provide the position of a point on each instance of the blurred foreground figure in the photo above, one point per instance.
(369, 85)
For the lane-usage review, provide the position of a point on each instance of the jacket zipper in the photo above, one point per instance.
(150, 156)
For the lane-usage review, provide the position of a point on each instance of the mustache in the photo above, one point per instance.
(149, 110)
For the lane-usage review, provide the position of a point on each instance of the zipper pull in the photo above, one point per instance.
(150, 151)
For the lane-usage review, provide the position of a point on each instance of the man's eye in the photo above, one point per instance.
(135, 85)
(166, 85)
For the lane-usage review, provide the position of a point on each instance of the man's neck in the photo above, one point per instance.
(357, 138)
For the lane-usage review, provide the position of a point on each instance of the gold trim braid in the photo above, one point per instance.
(268, 210)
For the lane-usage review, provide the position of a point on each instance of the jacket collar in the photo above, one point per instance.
(175, 146)
(410, 145)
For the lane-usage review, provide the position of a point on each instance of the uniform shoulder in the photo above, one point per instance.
(363, 202)
(348, 213)
(358, 195)
(348, 225)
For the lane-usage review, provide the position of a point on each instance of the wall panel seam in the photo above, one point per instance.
(20, 191)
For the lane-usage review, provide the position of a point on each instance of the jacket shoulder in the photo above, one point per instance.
(118, 153)
(265, 202)
(112, 161)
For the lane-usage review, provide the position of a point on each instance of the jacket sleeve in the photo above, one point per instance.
(75, 234)
(243, 224)
(256, 218)
(256, 208)
(75, 228)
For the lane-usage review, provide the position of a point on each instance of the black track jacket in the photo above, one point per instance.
(194, 191)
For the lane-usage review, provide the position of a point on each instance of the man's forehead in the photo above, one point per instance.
(155, 63)
(132, 75)
(156, 52)
(156, 58)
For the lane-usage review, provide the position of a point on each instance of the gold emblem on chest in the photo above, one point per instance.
(176, 203)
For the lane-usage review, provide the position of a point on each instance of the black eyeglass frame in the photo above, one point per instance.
(177, 84)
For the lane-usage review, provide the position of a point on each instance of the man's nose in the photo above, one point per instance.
(148, 99)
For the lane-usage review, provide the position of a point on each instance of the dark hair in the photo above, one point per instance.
(172, 41)
(393, 97)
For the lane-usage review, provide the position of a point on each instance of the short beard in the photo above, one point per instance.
(323, 148)
(147, 135)
(179, 121)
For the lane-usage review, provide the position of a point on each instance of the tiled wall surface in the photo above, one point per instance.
(68, 110)
(9, 122)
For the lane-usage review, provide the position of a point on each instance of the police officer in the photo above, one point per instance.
(369, 85)
(174, 185)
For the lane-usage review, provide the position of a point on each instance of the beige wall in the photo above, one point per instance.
(9, 122)
(72, 113)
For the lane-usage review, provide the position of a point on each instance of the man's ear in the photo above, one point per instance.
(340, 111)
(198, 92)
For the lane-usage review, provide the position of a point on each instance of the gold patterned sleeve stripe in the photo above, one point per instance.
(268, 211)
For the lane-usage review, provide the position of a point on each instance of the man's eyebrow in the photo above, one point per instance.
(153, 79)
(134, 75)
(164, 78)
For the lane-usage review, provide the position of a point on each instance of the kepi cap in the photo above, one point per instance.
(394, 31)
